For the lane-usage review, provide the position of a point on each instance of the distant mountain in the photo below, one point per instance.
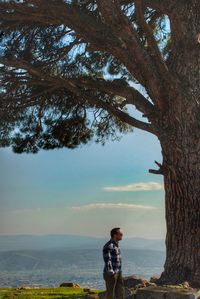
(18, 242)
(142, 243)
(52, 241)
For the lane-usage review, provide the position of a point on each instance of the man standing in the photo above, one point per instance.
(112, 272)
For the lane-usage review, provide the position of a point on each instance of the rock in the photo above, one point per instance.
(139, 285)
(69, 285)
(134, 282)
(92, 295)
(150, 284)
(165, 293)
(147, 293)
(128, 294)
(86, 289)
(154, 279)
(31, 286)
(186, 285)
(179, 296)
(130, 281)
(24, 287)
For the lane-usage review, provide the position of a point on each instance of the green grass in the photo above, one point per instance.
(44, 293)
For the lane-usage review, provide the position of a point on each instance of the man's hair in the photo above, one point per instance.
(114, 231)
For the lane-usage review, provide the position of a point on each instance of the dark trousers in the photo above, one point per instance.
(114, 286)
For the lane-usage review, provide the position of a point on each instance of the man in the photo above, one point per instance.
(112, 272)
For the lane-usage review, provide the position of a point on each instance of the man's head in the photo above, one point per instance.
(116, 234)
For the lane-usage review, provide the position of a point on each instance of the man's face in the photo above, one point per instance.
(119, 235)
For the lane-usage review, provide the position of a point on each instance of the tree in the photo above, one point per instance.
(70, 71)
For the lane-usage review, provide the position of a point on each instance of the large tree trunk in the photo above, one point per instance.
(180, 144)
(181, 162)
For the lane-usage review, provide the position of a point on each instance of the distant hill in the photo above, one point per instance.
(142, 243)
(51, 241)
(84, 266)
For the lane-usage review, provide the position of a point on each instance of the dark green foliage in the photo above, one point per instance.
(36, 110)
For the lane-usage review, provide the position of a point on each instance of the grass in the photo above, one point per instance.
(44, 293)
(62, 292)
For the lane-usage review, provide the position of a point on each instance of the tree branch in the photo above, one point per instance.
(139, 12)
(115, 34)
(121, 88)
(112, 16)
(122, 115)
(157, 171)
(73, 85)
(116, 87)
(160, 5)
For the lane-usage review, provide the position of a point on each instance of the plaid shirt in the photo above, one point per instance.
(112, 257)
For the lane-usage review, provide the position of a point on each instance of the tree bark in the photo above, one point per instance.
(181, 163)
(180, 143)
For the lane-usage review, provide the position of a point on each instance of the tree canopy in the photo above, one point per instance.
(71, 71)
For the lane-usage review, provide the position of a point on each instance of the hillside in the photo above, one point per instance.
(20, 242)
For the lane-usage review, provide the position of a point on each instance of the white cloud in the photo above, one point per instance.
(128, 206)
(135, 187)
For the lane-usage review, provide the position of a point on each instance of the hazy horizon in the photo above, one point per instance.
(77, 235)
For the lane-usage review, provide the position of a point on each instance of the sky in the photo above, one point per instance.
(84, 191)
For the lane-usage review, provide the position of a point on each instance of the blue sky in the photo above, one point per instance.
(84, 191)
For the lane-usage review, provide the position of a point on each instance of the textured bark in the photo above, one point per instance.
(181, 162)
(181, 159)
